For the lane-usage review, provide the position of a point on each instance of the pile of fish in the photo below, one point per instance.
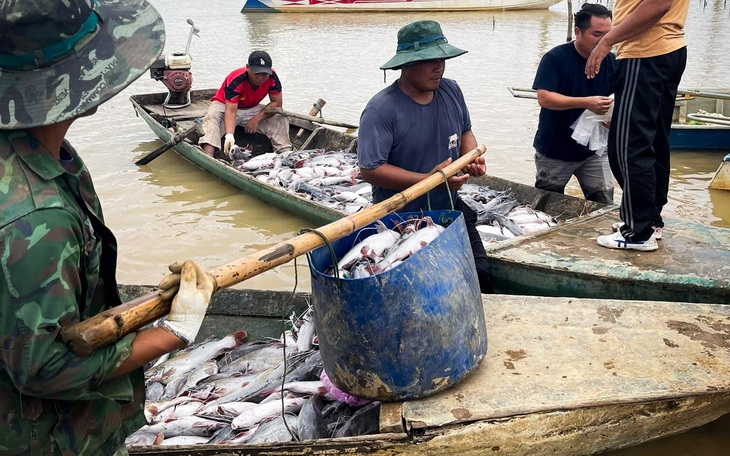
(500, 216)
(228, 391)
(387, 248)
(331, 178)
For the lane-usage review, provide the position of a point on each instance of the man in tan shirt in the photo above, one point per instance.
(651, 55)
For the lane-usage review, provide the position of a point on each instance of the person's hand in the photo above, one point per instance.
(454, 182)
(594, 60)
(252, 125)
(599, 105)
(476, 168)
(229, 142)
(194, 289)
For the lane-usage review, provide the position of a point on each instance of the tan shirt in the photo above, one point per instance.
(666, 36)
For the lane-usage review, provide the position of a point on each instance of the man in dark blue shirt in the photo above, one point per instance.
(419, 124)
(564, 92)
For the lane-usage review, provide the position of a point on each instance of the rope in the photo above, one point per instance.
(333, 256)
(448, 190)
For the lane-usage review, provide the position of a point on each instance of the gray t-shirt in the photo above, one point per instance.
(397, 130)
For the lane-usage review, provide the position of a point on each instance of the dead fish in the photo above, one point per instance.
(276, 430)
(266, 411)
(305, 333)
(184, 440)
(410, 245)
(365, 420)
(226, 412)
(192, 357)
(189, 425)
(370, 247)
(144, 438)
(311, 422)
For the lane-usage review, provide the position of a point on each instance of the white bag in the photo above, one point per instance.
(589, 130)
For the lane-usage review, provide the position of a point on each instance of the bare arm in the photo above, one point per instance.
(149, 344)
(558, 102)
(396, 178)
(640, 20)
(391, 177)
(229, 117)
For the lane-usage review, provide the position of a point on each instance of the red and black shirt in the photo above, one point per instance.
(237, 87)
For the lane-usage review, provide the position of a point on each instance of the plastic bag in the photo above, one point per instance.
(589, 130)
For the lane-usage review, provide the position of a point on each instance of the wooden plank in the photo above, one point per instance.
(553, 354)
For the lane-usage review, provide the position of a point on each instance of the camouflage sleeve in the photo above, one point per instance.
(41, 289)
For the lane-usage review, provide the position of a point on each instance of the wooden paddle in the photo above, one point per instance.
(319, 120)
(110, 325)
(176, 138)
(316, 109)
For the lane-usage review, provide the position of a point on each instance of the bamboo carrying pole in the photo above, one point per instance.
(110, 325)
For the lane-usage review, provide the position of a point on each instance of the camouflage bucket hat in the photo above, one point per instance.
(421, 40)
(59, 59)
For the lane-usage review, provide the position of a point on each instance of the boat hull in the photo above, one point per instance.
(690, 265)
(577, 377)
(384, 6)
(699, 137)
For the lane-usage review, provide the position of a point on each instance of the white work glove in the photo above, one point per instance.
(191, 301)
(228, 142)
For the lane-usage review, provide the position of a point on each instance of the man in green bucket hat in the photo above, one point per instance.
(59, 61)
(419, 124)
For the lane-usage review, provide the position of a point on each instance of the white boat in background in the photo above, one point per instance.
(373, 6)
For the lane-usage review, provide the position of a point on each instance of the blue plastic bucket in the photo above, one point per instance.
(408, 332)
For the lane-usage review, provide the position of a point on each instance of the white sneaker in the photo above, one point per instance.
(658, 230)
(617, 241)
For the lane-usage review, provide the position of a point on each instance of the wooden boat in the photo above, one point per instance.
(577, 377)
(381, 6)
(690, 266)
(149, 108)
(313, 136)
(701, 119)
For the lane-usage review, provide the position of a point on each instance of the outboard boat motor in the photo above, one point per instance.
(174, 71)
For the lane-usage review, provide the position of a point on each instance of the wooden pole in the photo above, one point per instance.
(310, 118)
(570, 20)
(176, 138)
(110, 325)
(721, 180)
(316, 109)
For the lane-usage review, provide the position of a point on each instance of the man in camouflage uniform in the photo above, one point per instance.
(58, 61)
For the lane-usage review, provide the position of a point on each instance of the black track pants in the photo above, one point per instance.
(638, 145)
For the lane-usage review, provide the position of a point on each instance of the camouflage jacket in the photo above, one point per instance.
(57, 267)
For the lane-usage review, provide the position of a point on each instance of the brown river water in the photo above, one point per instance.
(169, 210)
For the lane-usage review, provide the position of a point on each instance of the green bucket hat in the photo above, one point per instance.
(421, 40)
(58, 59)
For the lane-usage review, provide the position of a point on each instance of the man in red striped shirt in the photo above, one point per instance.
(238, 102)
